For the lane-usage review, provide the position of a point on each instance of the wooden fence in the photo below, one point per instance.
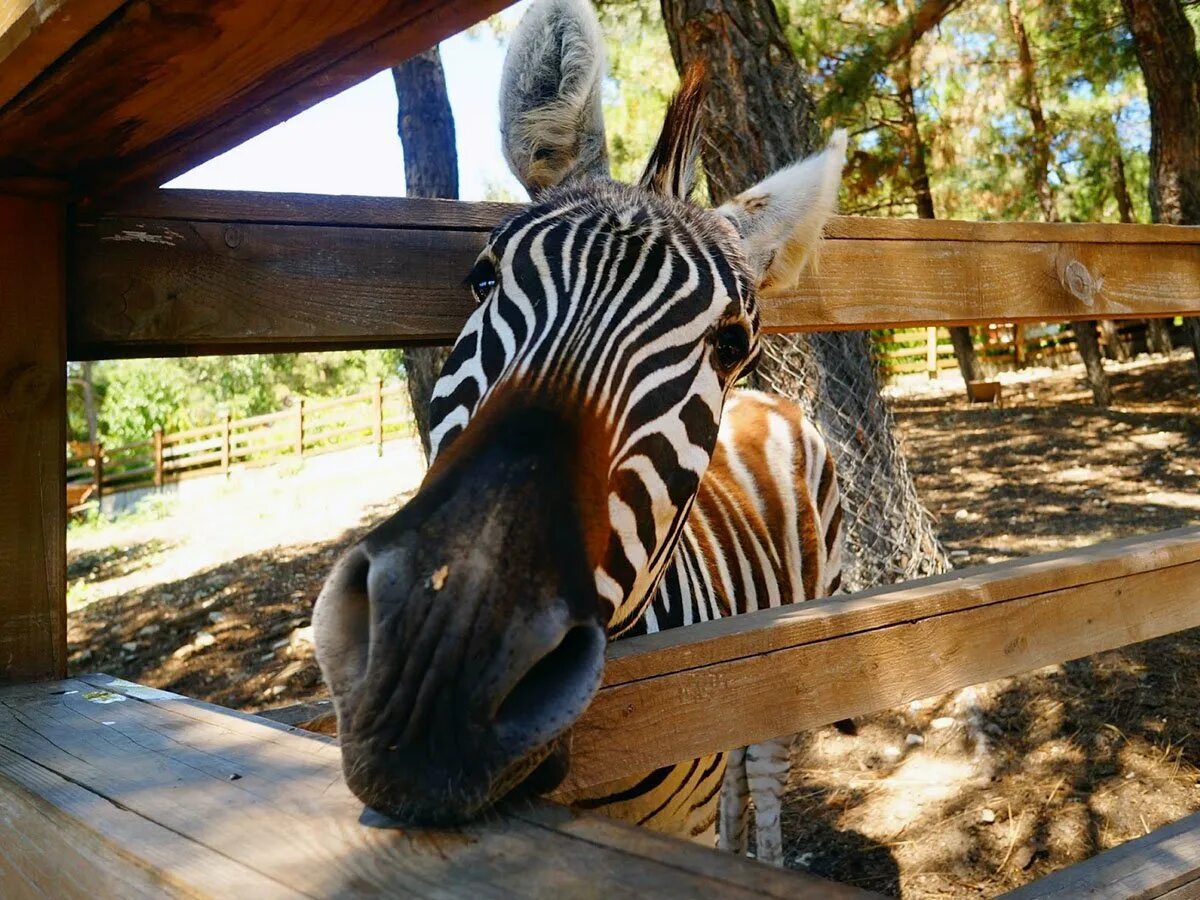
(999, 347)
(87, 276)
(310, 427)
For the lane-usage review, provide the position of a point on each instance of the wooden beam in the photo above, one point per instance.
(136, 792)
(35, 33)
(1164, 863)
(32, 438)
(181, 272)
(167, 84)
(717, 685)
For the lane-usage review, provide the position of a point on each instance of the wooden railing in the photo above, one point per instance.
(308, 428)
(904, 351)
(273, 273)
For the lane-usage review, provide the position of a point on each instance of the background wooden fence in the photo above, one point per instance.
(309, 427)
(1000, 347)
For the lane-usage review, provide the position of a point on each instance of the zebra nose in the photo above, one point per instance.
(553, 675)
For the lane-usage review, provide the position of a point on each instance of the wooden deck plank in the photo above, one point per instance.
(717, 685)
(1162, 864)
(170, 83)
(59, 833)
(271, 800)
(33, 637)
(210, 272)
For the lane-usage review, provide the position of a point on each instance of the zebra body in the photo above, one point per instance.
(765, 531)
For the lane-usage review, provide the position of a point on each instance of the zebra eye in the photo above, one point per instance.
(732, 343)
(482, 280)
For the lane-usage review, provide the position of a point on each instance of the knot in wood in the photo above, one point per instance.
(23, 389)
(233, 237)
(1078, 280)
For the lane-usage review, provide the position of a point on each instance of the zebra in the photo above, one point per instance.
(595, 471)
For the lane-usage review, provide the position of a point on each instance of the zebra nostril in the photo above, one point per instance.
(554, 692)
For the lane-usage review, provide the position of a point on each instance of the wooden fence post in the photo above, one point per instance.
(159, 468)
(300, 428)
(33, 415)
(377, 418)
(226, 441)
(98, 470)
(931, 352)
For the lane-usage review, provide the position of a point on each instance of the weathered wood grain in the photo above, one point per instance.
(1164, 863)
(418, 212)
(35, 33)
(32, 439)
(717, 685)
(220, 287)
(169, 83)
(263, 797)
(873, 283)
(212, 272)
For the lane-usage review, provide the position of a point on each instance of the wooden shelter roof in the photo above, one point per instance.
(112, 94)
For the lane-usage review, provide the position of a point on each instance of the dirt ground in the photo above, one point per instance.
(1079, 757)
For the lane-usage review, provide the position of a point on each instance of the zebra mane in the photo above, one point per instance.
(671, 170)
(551, 119)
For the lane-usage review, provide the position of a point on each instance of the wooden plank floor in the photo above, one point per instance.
(110, 789)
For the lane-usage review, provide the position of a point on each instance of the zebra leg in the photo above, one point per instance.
(767, 766)
(735, 805)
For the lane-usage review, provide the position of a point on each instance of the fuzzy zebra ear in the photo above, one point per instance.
(671, 170)
(781, 218)
(551, 120)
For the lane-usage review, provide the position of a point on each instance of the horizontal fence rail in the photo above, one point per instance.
(712, 686)
(309, 428)
(190, 272)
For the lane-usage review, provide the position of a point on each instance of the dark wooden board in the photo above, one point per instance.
(158, 86)
(212, 272)
(32, 439)
(222, 804)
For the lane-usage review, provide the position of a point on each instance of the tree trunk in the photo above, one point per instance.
(1039, 176)
(761, 117)
(1158, 336)
(1088, 341)
(1166, 51)
(89, 401)
(426, 127)
(914, 145)
(1117, 347)
(1032, 101)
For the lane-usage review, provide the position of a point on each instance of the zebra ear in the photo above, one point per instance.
(671, 170)
(551, 120)
(780, 219)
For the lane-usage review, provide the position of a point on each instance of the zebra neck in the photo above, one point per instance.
(686, 592)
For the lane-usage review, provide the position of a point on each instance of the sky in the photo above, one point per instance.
(348, 143)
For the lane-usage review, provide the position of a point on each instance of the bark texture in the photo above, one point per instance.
(761, 117)
(1166, 51)
(426, 127)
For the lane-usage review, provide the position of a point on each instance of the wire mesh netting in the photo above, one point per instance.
(890, 536)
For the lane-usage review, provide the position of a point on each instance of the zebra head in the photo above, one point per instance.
(570, 428)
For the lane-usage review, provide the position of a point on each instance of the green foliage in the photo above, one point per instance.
(136, 395)
(642, 78)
